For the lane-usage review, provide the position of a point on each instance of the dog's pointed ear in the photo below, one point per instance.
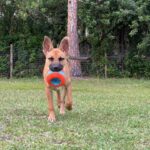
(47, 45)
(64, 44)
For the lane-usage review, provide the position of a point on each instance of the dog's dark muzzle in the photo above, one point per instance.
(56, 67)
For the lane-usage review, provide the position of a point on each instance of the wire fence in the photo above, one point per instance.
(14, 63)
(17, 62)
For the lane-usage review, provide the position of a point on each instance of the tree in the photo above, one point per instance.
(73, 37)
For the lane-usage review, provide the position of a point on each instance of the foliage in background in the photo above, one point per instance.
(120, 29)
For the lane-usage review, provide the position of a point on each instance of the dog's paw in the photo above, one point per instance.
(51, 117)
(68, 106)
(62, 110)
(58, 105)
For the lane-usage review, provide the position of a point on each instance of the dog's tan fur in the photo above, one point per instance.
(56, 53)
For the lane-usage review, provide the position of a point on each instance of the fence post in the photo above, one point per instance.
(105, 65)
(11, 60)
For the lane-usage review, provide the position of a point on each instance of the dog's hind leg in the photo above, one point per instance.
(58, 98)
(68, 103)
(62, 104)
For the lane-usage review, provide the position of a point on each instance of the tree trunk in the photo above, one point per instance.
(73, 37)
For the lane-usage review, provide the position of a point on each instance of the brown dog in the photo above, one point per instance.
(57, 60)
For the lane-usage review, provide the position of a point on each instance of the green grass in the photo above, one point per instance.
(107, 114)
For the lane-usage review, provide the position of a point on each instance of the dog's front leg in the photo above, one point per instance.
(51, 116)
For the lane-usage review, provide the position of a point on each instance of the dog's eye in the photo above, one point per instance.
(51, 58)
(61, 59)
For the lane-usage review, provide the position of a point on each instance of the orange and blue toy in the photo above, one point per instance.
(56, 79)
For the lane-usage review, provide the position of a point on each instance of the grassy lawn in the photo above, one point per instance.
(107, 114)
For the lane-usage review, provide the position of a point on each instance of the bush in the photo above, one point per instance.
(138, 67)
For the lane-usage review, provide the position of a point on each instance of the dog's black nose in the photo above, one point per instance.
(56, 67)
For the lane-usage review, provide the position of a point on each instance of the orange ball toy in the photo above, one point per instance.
(56, 79)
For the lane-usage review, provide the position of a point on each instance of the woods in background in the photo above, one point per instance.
(115, 33)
